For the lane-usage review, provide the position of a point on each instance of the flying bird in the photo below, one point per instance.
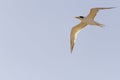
(88, 20)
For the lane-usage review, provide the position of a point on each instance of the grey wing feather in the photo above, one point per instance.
(75, 30)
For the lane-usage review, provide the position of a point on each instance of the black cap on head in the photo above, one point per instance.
(81, 16)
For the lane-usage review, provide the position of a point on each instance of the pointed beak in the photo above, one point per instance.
(77, 17)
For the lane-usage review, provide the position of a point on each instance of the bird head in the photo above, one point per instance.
(80, 17)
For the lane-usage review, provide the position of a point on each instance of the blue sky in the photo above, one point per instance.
(34, 41)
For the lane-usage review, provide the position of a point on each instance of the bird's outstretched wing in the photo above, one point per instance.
(94, 11)
(75, 30)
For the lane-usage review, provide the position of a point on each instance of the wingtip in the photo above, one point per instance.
(112, 7)
(71, 51)
(105, 7)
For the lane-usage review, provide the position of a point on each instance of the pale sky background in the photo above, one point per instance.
(34, 41)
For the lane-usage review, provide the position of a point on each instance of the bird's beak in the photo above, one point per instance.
(77, 17)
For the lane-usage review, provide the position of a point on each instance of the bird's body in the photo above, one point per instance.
(88, 20)
(91, 21)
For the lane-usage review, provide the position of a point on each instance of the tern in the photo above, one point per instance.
(88, 20)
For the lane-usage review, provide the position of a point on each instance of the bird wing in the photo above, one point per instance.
(75, 30)
(94, 11)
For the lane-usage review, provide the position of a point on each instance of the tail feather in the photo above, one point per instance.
(100, 25)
